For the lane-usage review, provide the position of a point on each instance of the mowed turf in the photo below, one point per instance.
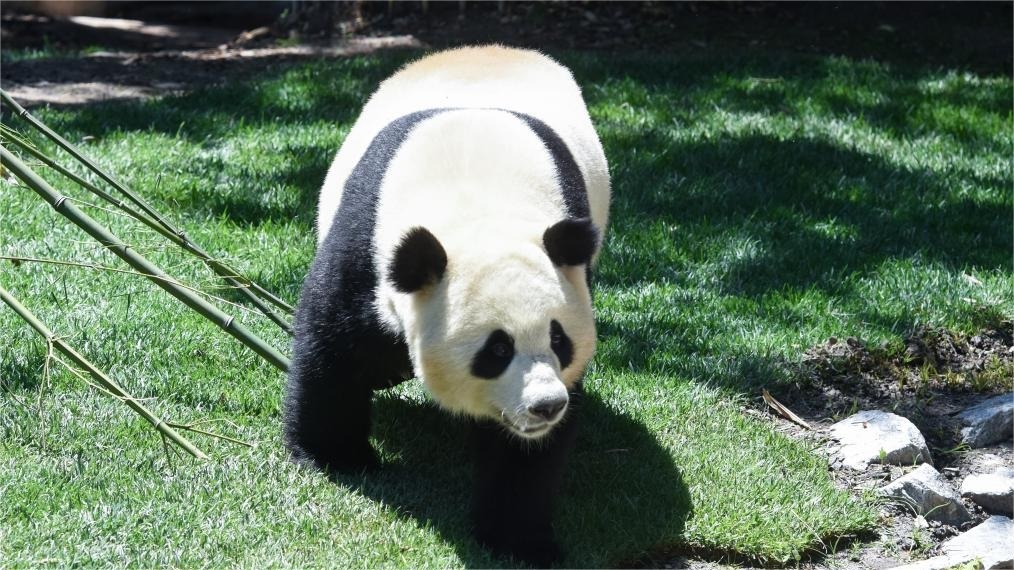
(760, 206)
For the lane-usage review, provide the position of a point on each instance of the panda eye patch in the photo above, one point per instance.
(561, 344)
(495, 355)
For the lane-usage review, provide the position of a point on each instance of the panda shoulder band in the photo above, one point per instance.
(365, 179)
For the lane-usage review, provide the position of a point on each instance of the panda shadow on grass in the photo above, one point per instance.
(623, 498)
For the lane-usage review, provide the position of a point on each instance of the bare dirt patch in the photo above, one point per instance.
(937, 374)
(153, 49)
(142, 60)
(107, 76)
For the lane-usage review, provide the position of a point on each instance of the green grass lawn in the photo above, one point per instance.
(761, 204)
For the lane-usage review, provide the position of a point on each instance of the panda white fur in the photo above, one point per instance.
(456, 228)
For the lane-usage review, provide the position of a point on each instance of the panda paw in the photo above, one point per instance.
(349, 461)
(535, 551)
(538, 553)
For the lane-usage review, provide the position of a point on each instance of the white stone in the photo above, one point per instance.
(873, 436)
(942, 562)
(992, 542)
(990, 422)
(984, 462)
(994, 492)
(932, 495)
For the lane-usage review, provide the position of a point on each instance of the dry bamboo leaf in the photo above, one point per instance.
(781, 410)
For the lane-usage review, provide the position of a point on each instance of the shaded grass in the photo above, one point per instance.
(47, 51)
(760, 205)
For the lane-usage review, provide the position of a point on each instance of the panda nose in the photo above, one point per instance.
(548, 409)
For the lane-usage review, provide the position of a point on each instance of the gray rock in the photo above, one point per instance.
(932, 495)
(990, 422)
(873, 436)
(994, 492)
(987, 462)
(990, 542)
(942, 562)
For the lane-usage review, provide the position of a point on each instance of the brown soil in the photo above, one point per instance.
(937, 374)
(141, 60)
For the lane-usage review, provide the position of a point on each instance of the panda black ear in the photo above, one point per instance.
(571, 241)
(419, 261)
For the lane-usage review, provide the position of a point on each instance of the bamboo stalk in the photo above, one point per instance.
(140, 263)
(218, 267)
(24, 145)
(225, 272)
(105, 381)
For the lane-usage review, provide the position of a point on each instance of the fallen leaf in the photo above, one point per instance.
(782, 410)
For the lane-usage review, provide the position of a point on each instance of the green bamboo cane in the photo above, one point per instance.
(218, 267)
(24, 145)
(229, 277)
(99, 376)
(137, 261)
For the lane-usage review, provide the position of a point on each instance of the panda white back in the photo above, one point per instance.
(488, 77)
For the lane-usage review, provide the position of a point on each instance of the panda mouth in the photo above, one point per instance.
(528, 430)
(535, 430)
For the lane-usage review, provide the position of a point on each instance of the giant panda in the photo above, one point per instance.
(457, 227)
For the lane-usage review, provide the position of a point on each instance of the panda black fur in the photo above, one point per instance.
(457, 226)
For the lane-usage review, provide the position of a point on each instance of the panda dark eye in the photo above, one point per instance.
(560, 343)
(501, 350)
(495, 355)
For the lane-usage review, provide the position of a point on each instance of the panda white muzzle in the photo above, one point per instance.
(542, 400)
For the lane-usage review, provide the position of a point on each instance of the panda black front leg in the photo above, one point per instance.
(327, 411)
(516, 485)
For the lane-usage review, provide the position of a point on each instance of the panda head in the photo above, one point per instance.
(498, 330)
